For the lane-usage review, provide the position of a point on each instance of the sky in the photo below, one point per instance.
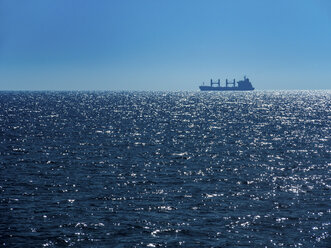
(164, 45)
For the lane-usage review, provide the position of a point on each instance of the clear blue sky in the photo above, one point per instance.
(163, 44)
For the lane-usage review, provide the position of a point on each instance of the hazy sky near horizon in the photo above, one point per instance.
(163, 44)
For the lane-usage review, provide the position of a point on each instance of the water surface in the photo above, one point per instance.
(161, 169)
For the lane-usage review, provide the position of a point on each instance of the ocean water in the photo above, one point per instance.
(162, 169)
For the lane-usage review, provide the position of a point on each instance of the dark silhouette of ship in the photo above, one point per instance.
(241, 85)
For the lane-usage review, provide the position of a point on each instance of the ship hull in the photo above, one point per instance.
(209, 88)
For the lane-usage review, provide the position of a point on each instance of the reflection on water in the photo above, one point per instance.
(165, 169)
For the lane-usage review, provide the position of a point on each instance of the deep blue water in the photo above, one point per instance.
(144, 169)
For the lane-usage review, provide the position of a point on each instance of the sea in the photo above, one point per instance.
(165, 169)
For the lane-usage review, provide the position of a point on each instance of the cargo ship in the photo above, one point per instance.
(241, 85)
